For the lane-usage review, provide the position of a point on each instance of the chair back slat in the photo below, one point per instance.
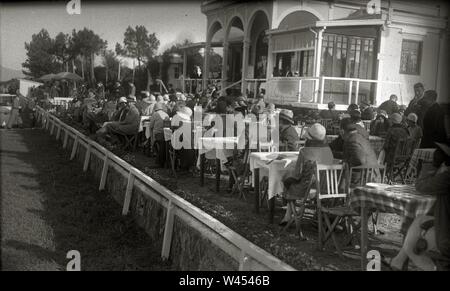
(332, 175)
(366, 174)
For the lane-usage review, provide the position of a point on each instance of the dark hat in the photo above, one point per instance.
(287, 115)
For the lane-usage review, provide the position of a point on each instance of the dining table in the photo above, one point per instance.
(403, 200)
(276, 166)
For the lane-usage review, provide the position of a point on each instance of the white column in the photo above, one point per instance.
(206, 65)
(245, 54)
(184, 70)
(224, 65)
(318, 62)
(269, 72)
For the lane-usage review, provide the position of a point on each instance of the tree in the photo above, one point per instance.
(86, 44)
(111, 64)
(61, 50)
(139, 44)
(40, 55)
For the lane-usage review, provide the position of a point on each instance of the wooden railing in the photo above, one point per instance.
(249, 256)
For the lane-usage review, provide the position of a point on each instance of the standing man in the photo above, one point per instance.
(390, 106)
(132, 89)
(14, 115)
(413, 106)
(433, 121)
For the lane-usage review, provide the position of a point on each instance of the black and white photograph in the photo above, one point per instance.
(225, 136)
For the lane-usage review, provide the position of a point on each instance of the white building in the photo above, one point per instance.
(306, 53)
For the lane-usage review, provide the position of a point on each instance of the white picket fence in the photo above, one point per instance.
(249, 256)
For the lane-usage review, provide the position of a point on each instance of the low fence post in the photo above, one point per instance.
(168, 231)
(128, 192)
(74, 148)
(66, 136)
(104, 172)
(87, 157)
(58, 133)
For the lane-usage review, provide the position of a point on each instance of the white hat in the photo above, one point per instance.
(316, 132)
(185, 113)
(122, 100)
(412, 117)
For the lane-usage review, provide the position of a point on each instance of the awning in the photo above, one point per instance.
(200, 45)
(350, 22)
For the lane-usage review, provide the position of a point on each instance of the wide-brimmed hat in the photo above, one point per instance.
(287, 115)
(185, 113)
(316, 132)
(396, 118)
(445, 148)
(122, 100)
(412, 117)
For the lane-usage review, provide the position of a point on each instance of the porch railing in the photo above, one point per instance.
(195, 85)
(320, 90)
(254, 85)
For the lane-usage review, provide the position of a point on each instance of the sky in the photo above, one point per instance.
(172, 21)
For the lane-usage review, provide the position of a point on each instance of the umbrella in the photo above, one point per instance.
(47, 77)
(68, 76)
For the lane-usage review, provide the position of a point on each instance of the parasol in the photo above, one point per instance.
(47, 77)
(68, 76)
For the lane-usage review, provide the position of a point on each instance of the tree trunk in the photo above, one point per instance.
(149, 79)
(92, 69)
(82, 67)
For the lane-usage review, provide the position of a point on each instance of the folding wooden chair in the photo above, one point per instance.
(172, 157)
(398, 164)
(239, 180)
(298, 214)
(360, 176)
(331, 203)
(129, 141)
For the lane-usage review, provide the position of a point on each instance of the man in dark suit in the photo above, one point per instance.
(433, 121)
(357, 149)
(390, 106)
(331, 113)
(413, 106)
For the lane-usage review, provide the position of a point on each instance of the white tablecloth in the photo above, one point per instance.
(276, 166)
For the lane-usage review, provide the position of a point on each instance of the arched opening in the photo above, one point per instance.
(297, 19)
(216, 35)
(235, 50)
(258, 46)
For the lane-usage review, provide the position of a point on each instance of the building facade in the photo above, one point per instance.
(306, 53)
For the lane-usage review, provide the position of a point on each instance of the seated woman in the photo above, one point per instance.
(380, 126)
(288, 134)
(127, 123)
(315, 151)
(157, 132)
(187, 156)
(429, 233)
